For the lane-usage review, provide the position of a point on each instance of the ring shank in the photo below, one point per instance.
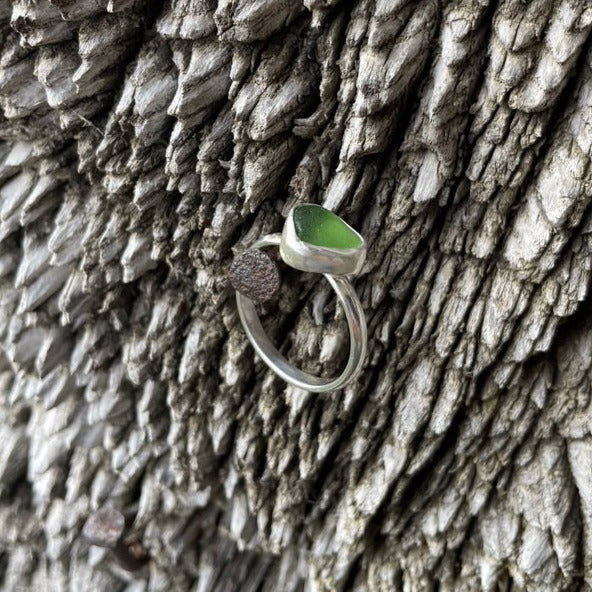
(356, 321)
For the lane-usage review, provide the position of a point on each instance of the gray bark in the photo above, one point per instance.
(144, 143)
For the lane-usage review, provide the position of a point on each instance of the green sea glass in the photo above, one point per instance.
(317, 226)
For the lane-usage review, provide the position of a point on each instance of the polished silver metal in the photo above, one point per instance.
(349, 300)
(306, 257)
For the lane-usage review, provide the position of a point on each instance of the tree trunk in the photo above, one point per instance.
(145, 143)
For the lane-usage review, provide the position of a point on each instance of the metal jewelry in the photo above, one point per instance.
(315, 240)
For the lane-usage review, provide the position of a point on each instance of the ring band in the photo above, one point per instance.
(354, 314)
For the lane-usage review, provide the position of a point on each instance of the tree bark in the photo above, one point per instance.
(143, 144)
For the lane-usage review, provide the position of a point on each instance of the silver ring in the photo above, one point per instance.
(314, 240)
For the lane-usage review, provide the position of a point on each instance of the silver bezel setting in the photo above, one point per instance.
(312, 258)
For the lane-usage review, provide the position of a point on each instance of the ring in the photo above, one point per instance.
(314, 240)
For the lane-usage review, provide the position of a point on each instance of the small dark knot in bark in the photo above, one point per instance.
(255, 275)
(106, 528)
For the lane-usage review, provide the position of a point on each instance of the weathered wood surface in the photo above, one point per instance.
(143, 143)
